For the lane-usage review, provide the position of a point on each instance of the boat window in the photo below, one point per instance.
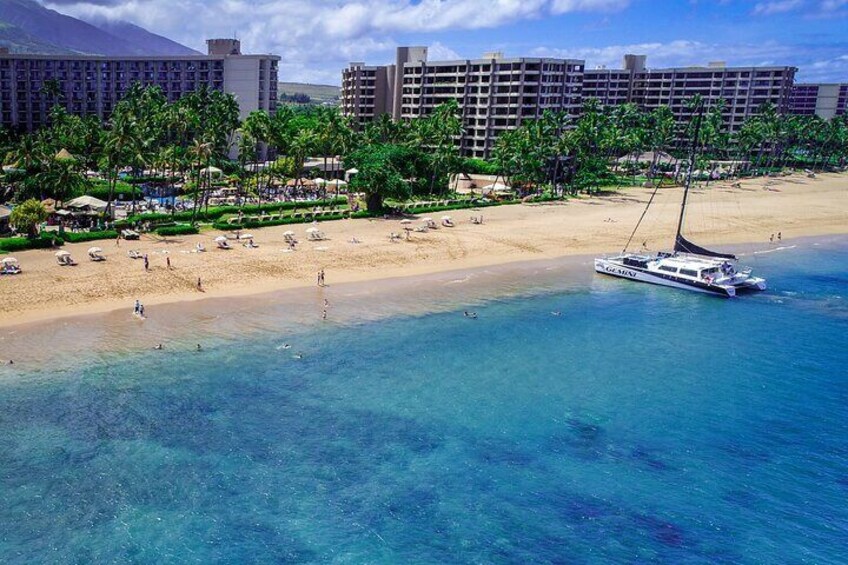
(711, 271)
(668, 269)
(689, 272)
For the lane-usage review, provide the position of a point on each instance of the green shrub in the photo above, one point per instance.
(44, 241)
(79, 237)
(180, 229)
(100, 189)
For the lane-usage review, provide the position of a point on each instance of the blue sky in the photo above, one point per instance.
(319, 37)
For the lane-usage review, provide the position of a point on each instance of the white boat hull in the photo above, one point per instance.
(614, 269)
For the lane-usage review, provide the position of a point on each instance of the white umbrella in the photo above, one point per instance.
(406, 221)
(62, 253)
(9, 261)
(246, 236)
(426, 220)
(446, 217)
(94, 250)
(220, 238)
(289, 232)
(319, 181)
(312, 230)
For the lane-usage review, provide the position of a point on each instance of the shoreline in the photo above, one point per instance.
(108, 335)
(510, 235)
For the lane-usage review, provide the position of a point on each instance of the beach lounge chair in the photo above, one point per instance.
(394, 237)
(314, 234)
(64, 258)
(447, 222)
(95, 254)
(134, 254)
(10, 266)
(130, 234)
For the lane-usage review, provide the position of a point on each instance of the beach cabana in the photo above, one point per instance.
(222, 243)
(86, 203)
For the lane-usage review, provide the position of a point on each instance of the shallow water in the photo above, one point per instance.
(641, 424)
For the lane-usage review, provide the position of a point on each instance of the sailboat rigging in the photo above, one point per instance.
(689, 266)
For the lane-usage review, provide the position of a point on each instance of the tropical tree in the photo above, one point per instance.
(27, 216)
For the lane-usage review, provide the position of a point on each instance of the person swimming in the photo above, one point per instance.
(158, 347)
(556, 313)
(472, 315)
(199, 348)
(298, 355)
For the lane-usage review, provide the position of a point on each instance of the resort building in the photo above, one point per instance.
(494, 93)
(30, 85)
(823, 100)
(744, 89)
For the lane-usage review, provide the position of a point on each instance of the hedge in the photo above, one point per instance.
(183, 229)
(215, 212)
(253, 224)
(79, 237)
(9, 244)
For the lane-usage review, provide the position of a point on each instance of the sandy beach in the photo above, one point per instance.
(719, 215)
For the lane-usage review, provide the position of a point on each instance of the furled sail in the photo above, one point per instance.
(683, 245)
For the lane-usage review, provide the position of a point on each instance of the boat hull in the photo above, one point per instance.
(614, 269)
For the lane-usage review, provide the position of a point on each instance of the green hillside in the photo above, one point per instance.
(317, 93)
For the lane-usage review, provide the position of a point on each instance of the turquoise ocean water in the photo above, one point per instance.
(642, 424)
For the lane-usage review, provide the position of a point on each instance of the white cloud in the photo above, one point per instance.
(815, 64)
(776, 7)
(332, 32)
(439, 52)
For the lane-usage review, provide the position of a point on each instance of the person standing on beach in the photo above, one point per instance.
(199, 285)
(168, 262)
(321, 277)
(779, 237)
(771, 238)
(146, 263)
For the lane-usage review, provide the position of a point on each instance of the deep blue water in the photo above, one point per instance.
(643, 424)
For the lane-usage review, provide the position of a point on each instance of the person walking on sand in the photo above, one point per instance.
(199, 285)
(321, 277)
(168, 262)
(146, 263)
(779, 237)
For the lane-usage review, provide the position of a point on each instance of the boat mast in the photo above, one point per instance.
(699, 109)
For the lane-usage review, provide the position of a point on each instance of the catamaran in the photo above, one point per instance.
(688, 266)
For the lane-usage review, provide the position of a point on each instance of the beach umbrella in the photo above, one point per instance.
(312, 230)
(220, 238)
(426, 220)
(319, 181)
(94, 250)
(63, 253)
(9, 261)
(446, 218)
(211, 171)
(289, 232)
(64, 155)
(246, 236)
(406, 221)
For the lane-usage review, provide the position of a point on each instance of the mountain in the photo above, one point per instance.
(29, 27)
(151, 43)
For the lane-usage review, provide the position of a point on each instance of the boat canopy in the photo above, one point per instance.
(683, 245)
